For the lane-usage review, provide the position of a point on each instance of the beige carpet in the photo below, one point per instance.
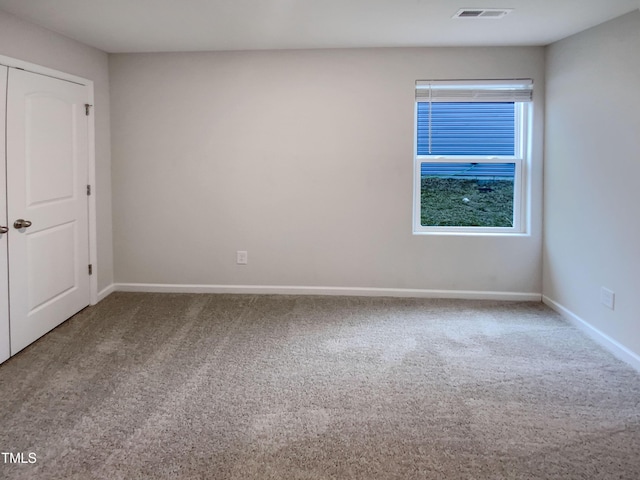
(154, 386)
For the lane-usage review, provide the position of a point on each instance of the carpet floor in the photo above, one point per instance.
(169, 386)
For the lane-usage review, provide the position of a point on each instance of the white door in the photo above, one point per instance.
(47, 161)
(4, 286)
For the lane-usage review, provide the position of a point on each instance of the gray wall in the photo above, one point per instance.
(28, 42)
(592, 169)
(303, 158)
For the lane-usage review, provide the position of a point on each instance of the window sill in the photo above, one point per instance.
(475, 234)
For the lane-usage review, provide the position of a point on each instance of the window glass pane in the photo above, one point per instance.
(467, 194)
(466, 128)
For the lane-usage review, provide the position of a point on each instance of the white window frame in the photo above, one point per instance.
(521, 159)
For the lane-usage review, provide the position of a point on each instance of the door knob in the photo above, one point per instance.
(4, 230)
(20, 223)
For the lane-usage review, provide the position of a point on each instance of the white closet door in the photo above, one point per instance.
(4, 286)
(47, 161)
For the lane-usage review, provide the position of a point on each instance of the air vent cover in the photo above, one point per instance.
(487, 13)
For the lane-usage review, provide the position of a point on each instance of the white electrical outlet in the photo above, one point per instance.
(608, 298)
(242, 258)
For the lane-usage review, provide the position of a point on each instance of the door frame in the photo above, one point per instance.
(91, 165)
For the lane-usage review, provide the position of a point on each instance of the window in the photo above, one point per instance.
(471, 156)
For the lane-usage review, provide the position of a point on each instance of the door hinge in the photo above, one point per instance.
(87, 107)
(88, 190)
(90, 269)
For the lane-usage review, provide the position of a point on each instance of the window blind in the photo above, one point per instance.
(474, 90)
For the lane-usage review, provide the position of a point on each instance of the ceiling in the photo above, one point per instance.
(196, 25)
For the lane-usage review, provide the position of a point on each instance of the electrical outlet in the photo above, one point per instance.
(607, 298)
(242, 258)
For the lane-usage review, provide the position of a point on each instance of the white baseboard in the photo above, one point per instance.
(344, 291)
(102, 294)
(617, 349)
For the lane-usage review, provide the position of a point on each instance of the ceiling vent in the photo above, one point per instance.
(490, 13)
